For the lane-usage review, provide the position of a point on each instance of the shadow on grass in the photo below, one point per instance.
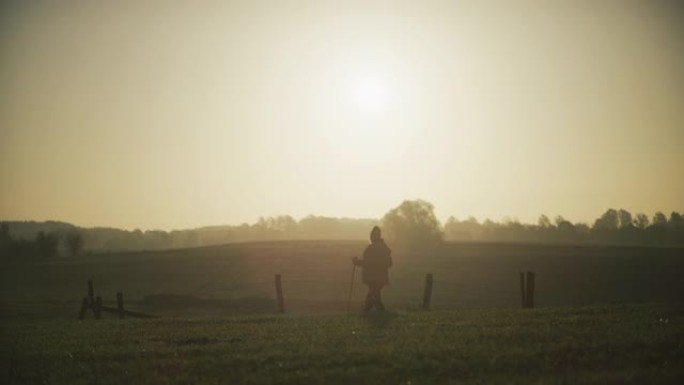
(248, 305)
(381, 319)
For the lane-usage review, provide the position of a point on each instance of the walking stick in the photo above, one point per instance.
(351, 288)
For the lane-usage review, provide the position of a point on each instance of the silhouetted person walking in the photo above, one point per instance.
(376, 261)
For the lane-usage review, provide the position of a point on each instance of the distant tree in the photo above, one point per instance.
(657, 232)
(4, 233)
(466, 230)
(156, 239)
(544, 222)
(624, 219)
(565, 230)
(191, 239)
(512, 231)
(473, 227)
(47, 244)
(559, 219)
(582, 228)
(608, 221)
(281, 227)
(489, 229)
(676, 228)
(314, 227)
(659, 219)
(284, 226)
(641, 221)
(74, 243)
(135, 240)
(565, 226)
(5, 239)
(413, 224)
(454, 232)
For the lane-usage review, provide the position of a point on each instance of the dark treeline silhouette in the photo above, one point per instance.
(20, 238)
(43, 244)
(617, 227)
(411, 224)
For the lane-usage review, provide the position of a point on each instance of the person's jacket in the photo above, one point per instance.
(377, 259)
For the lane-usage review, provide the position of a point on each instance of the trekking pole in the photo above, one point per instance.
(351, 288)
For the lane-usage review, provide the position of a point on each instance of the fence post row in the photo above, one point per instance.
(94, 303)
(527, 284)
(427, 293)
(279, 293)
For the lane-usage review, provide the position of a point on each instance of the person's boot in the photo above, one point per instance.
(368, 305)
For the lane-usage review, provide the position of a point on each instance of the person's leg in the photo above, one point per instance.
(369, 299)
(374, 295)
(378, 298)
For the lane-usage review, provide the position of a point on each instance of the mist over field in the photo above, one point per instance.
(410, 223)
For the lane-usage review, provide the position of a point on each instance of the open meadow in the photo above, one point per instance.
(602, 345)
(605, 315)
(239, 278)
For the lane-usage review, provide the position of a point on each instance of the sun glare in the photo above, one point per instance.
(370, 94)
(364, 127)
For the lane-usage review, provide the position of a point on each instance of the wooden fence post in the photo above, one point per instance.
(91, 296)
(530, 290)
(427, 294)
(523, 298)
(84, 308)
(97, 308)
(279, 294)
(119, 304)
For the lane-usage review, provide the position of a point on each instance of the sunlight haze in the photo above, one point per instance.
(156, 114)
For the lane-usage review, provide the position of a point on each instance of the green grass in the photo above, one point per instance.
(606, 315)
(612, 344)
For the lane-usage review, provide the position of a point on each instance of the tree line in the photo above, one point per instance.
(42, 245)
(22, 238)
(411, 224)
(618, 227)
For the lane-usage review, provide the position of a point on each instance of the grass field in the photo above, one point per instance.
(615, 344)
(606, 315)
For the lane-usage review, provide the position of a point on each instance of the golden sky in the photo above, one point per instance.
(169, 114)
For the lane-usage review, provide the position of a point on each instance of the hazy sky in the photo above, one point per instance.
(170, 114)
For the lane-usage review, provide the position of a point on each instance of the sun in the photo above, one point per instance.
(370, 94)
(363, 124)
